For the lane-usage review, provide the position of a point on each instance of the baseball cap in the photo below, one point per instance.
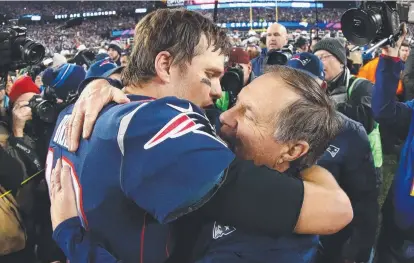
(21, 86)
(99, 68)
(239, 56)
(309, 63)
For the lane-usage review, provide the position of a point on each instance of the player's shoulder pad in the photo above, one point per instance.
(165, 119)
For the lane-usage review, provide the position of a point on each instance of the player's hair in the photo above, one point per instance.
(312, 118)
(405, 44)
(177, 31)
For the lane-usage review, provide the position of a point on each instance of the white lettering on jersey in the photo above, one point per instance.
(60, 135)
(219, 230)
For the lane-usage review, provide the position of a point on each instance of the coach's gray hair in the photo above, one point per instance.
(312, 118)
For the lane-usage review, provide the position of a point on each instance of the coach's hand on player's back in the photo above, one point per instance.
(62, 195)
(93, 98)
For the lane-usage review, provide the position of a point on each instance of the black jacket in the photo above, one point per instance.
(358, 106)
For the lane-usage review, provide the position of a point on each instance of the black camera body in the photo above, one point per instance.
(371, 23)
(232, 82)
(17, 51)
(279, 56)
(46, 108)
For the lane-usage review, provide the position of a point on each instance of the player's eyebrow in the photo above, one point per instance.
(206, 81)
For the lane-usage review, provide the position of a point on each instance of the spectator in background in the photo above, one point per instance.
(404, 51)
(276, 38)
(64, 79)
(238, 60)
(315, 40)
(253, 51)
(302, 45)
(2, 98)
(99, 68)
(124, 59)
(115, 51)
(352, 95)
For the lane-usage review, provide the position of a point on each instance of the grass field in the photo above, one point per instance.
(388, 171)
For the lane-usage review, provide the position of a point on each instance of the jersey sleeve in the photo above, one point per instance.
(78, 245)
(173, 162)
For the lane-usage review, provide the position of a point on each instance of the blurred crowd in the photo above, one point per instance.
(325, 15)
(15, 9)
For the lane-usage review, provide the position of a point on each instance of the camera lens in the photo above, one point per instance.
(32, 52)
(46, 111)
(359, 26)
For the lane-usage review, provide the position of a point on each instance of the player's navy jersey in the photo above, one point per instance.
(146, 161)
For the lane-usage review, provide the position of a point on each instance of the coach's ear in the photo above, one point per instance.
(162, 65)
(290, 152)
(294, 151)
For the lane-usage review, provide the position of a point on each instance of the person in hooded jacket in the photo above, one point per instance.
(352, 95)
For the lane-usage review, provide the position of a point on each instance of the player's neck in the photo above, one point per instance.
(149, 89)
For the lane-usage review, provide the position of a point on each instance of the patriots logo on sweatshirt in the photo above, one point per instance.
(219, 230)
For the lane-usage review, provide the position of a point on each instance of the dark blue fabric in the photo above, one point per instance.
(227, 244)
(399, 117)
(257, 64)
(349, 158)
(146, 161)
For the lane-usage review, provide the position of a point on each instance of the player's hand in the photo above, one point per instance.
(62, 195)
(393, 51)
(93, 98)
(21, 113)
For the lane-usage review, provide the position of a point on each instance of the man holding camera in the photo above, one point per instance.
(276, 39)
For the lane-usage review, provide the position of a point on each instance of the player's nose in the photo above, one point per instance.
(215, 92)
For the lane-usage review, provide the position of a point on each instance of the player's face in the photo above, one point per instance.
(199, 82)
(252, 122)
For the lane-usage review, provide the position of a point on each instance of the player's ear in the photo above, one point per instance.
(162, 65)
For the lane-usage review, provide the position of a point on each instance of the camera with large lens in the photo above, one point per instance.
(17, 51)
(279, 56)
(45, 108)
(232, 82)
(373, 22)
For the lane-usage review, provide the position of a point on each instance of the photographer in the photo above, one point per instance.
(276, 39)
(239, 74)
(302, 45)
(33, 120)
